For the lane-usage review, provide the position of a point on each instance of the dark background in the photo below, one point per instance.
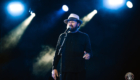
(114, 35)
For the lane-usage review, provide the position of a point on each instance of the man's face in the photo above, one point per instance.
(73, 24)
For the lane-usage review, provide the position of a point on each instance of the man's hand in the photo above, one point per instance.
(86, 55)
(54, 74)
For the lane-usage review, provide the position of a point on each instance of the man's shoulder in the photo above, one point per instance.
(83, 33)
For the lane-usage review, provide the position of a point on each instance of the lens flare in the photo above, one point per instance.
(129, 4)
(15, 8)
(65, 8)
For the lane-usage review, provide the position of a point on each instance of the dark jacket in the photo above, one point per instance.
(72, 51)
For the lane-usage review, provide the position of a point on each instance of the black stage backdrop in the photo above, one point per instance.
(114, 35)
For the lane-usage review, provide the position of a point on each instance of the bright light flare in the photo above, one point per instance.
(88, 17)
(33, 14)
(114, 4)
(15, 8)
(65, 8)
(129, 4)
(13, 37)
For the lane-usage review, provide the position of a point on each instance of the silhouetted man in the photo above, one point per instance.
(75, 51)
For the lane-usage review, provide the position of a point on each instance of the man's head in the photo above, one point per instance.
(73, 21)
(74, 25)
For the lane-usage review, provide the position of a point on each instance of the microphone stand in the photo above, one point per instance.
(60, 51)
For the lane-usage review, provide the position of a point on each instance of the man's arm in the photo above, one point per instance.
(56, 59)
(88, 51)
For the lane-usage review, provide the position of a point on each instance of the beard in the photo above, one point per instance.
(74, 29)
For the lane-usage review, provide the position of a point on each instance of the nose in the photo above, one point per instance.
(70, 23)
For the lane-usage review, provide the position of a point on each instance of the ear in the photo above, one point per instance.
(78, 24)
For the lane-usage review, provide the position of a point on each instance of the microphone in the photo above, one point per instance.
(68, 28)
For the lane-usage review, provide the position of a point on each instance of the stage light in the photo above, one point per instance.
(33, 14)
(129, 4)
(114, 4)
(88, 17)
(15, 8)
(65, 8)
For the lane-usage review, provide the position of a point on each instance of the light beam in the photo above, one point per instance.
(12, 38)
(88, 17)
(44, 61)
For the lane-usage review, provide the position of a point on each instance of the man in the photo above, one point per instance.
(75, 51)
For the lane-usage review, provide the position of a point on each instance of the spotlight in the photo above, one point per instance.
(65, 8)
(15, 8)
(129, 4)
(32, 13)
(114, 4)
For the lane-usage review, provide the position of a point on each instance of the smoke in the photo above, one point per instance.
(12, 38)
(88, 17)
(44, 61)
